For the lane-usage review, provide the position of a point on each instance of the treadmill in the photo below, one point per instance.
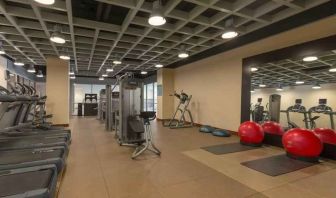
(23, 111)
(322, 107)
(8, 107)
(12, 112)
(16, 152)
(296, 108)
(28, 172)
(31, 182)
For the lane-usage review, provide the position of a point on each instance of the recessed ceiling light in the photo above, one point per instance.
(18, 62)
(71, 72)
(72, 77)
(104, 75)
(253, 69)
(31, 69)
(229, 34)
(156, 18)
(45, 2)
(279, 88)
(252, 90)
(101, 78)
(64, 57)
(158, 65)
(183, 52)
(310, 58)
(262, 85)
(299, 82)
(57, 36)
(39, 74)
(110, 69)
(2, 51)
(183, 55)
(144, 72)
(316, 86)
(332, 69)
(117, 62)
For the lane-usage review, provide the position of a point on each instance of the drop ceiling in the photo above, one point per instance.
(287, 72)
(98, 30)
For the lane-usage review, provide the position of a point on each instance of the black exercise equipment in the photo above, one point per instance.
(182, 108)
(321, 108)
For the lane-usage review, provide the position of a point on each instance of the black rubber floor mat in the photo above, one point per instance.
(277, 165)
(228, 148)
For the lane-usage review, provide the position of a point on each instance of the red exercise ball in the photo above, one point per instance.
(273, 127)
(326, 135)
(302, 143)
(251, 133)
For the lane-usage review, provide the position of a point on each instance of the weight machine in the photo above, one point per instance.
(131, 124)
(182, 107)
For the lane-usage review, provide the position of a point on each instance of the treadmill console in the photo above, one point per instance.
(297, 107)
(321, 107)
(322, 101)
(298, 101)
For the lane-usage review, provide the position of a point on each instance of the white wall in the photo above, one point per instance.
(309, 98)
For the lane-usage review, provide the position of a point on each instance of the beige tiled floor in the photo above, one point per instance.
(99, 167)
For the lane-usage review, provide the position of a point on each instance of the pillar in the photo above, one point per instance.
(57, 90)
(165, 82)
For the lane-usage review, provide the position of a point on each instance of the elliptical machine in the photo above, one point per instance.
(259, 112)
(182, 107)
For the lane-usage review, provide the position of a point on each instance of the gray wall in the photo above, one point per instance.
(150, 79)
(21, 71)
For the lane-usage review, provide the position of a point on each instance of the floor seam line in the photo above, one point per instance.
(100, 166)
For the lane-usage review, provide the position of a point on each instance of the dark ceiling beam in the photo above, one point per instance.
(99, 11)
(107, 12)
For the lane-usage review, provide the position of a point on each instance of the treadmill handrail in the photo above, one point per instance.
(7, 98)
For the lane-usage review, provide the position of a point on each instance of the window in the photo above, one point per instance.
(81, 89)
(150, 97)
(145, 98)
(155, 96)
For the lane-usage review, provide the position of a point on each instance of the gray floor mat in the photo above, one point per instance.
(228, 148)
(277, 165)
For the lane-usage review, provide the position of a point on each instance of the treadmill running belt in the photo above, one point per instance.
(14, 157)
(20, 183)
(28, 142)
(228, 148)
(277, 165)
